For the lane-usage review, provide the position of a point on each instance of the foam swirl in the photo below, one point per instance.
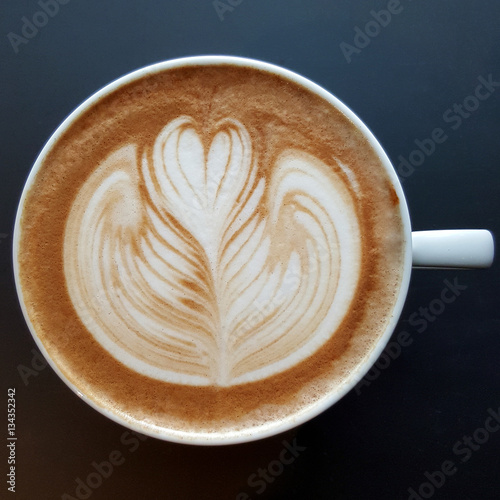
(191, 266)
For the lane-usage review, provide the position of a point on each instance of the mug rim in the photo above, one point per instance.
(297, 418)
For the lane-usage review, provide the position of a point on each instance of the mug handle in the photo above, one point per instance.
(452, 248)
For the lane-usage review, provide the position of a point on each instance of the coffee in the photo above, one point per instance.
(209, 248)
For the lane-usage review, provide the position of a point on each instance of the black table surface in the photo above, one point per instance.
(426, 422)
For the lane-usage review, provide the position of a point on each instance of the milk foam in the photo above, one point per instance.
(189, 266)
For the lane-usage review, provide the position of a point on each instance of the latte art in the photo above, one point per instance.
(189, 265)
(210, 250)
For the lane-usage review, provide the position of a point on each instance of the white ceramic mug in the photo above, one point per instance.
(427, 249)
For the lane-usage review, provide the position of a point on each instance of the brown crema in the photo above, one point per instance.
(279, 115)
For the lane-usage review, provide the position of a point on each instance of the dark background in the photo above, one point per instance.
(416, 413)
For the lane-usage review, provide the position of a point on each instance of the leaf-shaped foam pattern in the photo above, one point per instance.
(190, 266)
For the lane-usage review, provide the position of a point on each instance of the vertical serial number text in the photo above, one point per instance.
(11, 440)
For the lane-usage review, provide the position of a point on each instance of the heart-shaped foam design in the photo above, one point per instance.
(189, 265)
